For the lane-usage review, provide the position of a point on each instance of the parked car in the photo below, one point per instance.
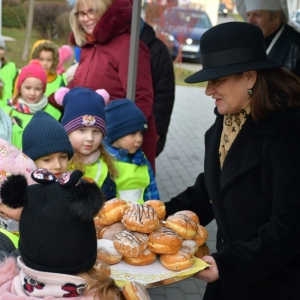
(181, 29)
(223, 10)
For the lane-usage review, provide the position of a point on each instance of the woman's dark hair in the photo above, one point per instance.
(274, 90)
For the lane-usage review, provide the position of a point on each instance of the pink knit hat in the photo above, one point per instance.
(33, 69)
(14, 161)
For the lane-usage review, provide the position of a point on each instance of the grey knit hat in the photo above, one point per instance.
(43, 136)
(5, 126)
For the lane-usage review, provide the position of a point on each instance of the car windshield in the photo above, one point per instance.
(187, 18)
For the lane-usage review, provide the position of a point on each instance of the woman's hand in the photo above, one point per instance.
(211, 273)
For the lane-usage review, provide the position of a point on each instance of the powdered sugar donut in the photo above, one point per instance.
(135, 291)
(191, 244)
(144, 258)
(159, 207)
(164, 240)
(108, 232)
(181, 260)
(112, 211)
(201, 235)
(107, 253)
(103, 268)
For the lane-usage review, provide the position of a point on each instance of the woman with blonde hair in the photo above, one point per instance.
(102, 29)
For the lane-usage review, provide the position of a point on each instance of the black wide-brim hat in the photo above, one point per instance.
(232, 48)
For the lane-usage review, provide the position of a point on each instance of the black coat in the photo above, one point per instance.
(255, 200)
(163, 79)
(280, 52)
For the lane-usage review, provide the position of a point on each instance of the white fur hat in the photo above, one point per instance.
(244, 6)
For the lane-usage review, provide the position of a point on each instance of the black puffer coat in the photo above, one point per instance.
(163, 83)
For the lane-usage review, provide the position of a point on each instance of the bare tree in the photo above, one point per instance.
(28, 29)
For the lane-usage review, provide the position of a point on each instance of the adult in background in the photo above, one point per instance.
(281, 40)
(102, 29)
(163, 79)
(251, 181)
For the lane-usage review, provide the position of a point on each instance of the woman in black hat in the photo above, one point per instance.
(251, 178)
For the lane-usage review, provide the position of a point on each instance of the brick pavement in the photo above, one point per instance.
(177, 168)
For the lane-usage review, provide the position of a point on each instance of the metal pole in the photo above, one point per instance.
(133, 51)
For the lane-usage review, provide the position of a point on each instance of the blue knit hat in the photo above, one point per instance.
(123, 118)
(83, 107)
(43, 136)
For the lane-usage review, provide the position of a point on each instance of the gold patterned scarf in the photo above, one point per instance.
(232, 125)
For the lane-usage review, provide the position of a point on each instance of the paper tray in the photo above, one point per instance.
(153, 275)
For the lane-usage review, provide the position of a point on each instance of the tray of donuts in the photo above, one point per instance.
(139, 244)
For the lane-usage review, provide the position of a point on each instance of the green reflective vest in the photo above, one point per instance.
(53, 86)
(132, 181)
(17, 131)
(7, 74)
(98, 171)
(11, 236)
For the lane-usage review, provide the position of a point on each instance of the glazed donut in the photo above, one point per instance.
(183, 225)
(108, 232)
(190, 214)
(181, 260)
(201, 235)
(159, 207)
(103, 268)
(107, 253)
(146, 257)
(202, 251)
(191, 244)
(112, 211)
(135, 291)
(130, 243)
(164, 240)
(141, 218)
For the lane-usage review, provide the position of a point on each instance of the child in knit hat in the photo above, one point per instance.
(126, 125)
(47, 143)
(58, 243)
(47, 53)
(84, 121)
(8, 73)
(29, 100)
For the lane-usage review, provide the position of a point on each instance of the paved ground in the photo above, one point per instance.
(177, 168)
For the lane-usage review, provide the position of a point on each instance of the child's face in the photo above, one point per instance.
(131, 142)
(32, 90)
(86, 140)
(46, 59)
(56, 163)
(10, 213)
(2, 52)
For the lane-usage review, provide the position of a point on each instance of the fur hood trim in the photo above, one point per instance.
(42, 45)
